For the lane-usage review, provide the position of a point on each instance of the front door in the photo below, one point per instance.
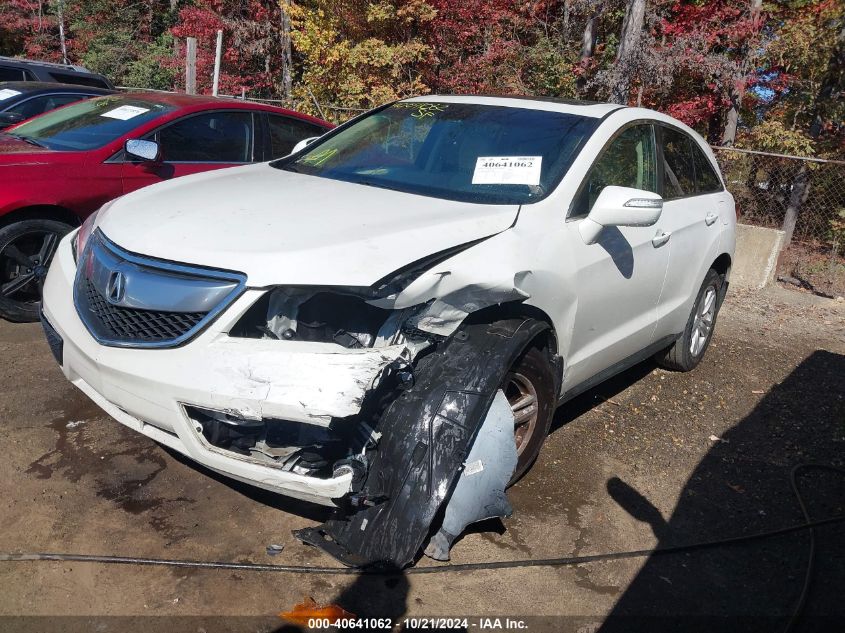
(194, 144)
(618, 279)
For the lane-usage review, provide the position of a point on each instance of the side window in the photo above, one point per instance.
(706, 180)
(678, 171)
(285, 132)
(215, 137)
(39, 105)
(629, 161)
(11, 74)
(79, 80)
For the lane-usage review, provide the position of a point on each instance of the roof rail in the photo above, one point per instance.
(75, 67)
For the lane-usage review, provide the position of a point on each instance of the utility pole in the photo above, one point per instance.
(217, 55)
(61, 15)
(191, 66)
(287, 58)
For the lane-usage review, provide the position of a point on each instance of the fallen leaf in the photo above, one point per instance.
(308, 610)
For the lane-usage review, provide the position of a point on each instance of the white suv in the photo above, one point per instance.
(348, 325)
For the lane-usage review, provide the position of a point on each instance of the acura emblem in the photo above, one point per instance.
(116, 287)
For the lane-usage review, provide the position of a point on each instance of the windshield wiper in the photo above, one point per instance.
(27, 139)
(374, 183)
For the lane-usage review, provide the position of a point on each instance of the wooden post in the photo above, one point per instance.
(218, 54)
(191, 66)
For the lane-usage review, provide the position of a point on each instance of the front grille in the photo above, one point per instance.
(129, 300)
(138, 325)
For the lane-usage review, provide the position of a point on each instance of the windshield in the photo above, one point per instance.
(457, 151)
(89, 124)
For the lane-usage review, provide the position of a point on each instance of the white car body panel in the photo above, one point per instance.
(287, 228)
(605, 301)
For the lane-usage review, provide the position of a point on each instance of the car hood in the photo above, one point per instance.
(14, 151)
(280, 227)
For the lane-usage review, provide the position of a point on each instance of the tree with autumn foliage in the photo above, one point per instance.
(750, 72)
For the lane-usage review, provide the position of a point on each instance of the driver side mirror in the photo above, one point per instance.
(147, 151)
(303, 144)
(8, 119)
(620, 206)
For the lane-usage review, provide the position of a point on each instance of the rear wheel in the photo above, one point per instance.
(688, 350)
(26, 250)
(530, 389)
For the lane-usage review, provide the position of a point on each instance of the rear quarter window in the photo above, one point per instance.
(12, 74)
(706, 179)
(79, 80)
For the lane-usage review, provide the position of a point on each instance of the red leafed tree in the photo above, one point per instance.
(252, 46)
(28, 27)
(476, 45)
(701, 59)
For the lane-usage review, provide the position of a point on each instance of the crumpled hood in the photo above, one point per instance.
(280, 227)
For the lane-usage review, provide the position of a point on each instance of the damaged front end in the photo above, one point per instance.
(426, 439)
(426, 443)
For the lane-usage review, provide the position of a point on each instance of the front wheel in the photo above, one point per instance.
(530, 389)
(26, 250)
(685, 353)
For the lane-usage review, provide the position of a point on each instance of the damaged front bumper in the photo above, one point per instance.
(176, 395)
(356, 417)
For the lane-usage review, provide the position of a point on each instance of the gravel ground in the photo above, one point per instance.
(651, 458)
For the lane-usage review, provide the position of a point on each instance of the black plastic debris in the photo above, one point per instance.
(427, 435)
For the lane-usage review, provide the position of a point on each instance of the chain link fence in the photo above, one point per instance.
(805, 197)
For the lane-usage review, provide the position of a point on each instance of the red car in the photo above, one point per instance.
(58, 168)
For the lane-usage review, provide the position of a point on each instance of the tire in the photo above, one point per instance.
(685, 353)
(26, 250)
(530, 388)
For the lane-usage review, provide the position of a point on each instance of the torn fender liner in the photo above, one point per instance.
(427, 434)
(480, 491)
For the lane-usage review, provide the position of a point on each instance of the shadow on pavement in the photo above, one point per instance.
(742, 487)
(373, 599)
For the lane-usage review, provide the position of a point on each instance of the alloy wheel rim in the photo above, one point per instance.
(522, 396)
(24, 261)
(703, 321)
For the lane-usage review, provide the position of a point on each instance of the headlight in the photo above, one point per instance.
(82, 235)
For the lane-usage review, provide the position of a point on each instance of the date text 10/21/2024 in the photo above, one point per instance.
(421, 624)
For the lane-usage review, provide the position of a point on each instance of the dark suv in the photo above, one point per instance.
(12, 69)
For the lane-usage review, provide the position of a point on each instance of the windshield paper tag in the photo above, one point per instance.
(507, 170)
(125, 112)
(8, 92)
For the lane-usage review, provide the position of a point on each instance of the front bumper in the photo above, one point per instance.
(146, 389)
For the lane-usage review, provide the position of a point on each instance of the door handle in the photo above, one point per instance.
(710, 218)
(661, 237)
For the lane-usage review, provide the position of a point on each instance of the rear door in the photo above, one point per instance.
(284, 132)
(618, 279)
(693, 197)
(196, 143)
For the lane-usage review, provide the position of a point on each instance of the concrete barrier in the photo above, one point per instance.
(756, 256)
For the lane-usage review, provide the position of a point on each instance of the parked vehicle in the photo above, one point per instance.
(21, 100)
(356, 324)
(58, 168)
(16, 69)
